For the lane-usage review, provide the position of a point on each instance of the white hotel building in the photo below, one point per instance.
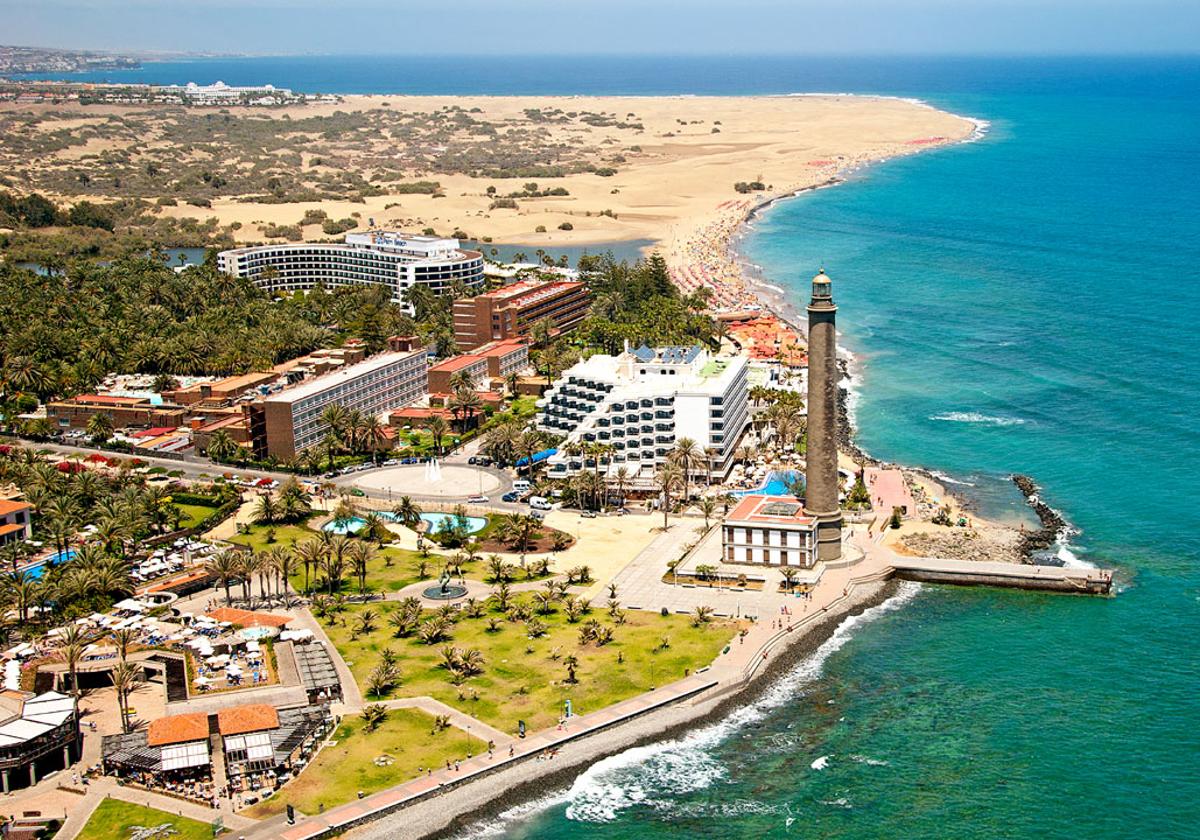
(643, 401)
(377, 257)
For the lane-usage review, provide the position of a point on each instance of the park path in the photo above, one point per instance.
(458, 719)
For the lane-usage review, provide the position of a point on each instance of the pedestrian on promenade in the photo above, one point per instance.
(510, 750)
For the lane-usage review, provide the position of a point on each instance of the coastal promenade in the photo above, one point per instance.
(539, 746)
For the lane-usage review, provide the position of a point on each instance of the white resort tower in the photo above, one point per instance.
(377, 257)
(643, 401)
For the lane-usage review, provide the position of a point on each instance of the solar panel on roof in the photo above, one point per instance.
(780, 509)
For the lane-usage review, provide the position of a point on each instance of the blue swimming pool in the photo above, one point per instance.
(435, 520)
(775, 485)
(36, 571)
(355, 524)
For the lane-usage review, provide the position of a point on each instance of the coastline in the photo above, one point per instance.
(449, 813)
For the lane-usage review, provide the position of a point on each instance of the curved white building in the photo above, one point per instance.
(379, 257)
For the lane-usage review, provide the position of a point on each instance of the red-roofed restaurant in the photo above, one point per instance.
(769, 530)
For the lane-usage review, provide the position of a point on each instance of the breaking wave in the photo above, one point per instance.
(976, 417)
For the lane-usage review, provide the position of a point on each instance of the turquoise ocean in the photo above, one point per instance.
(1026, 302)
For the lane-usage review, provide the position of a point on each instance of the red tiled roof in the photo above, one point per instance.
(7, 507)
(455, 363)
(242, 719)
(177, 729)
(751, 509)
(155, 432)
(5, 530)
(499, 348)
(246, 618)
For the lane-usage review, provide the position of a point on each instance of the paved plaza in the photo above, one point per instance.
(452, 482)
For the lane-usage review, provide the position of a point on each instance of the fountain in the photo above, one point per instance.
(445, 590)
(433, 471)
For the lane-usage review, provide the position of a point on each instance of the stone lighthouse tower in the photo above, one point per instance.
(821, 475)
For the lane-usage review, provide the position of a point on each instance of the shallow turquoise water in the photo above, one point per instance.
(1024, 303)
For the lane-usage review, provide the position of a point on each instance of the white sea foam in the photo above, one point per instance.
(870, 762)
(976, 417)
(840, 802)
(652, 775)
(945, 479)
(821, 763)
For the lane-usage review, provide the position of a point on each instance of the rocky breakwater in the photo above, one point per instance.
(1054, 528)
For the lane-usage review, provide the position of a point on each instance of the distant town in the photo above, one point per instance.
(43, 60)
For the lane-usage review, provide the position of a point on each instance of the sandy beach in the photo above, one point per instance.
(663, 168)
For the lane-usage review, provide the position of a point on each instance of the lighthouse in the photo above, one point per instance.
(821, 473)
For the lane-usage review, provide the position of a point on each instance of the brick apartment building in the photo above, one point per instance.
(511, 311)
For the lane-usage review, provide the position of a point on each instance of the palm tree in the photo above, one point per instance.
(125, 677)
(437, 428)
(310, 553)
(686, 453)
(224, 567)
(100, 426)
(334, 562)
(72, 651)
(123, 639)
(789, 577)
(407, 512)
(708, 506)
(281, 560)
(668, 479)
(361, 554)
(571, 663)
(373, 716)
(221, 446)
(335, 416)
(266, 511)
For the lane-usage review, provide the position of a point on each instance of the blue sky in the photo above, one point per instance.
(609, 26)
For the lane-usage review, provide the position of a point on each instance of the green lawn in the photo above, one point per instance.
(525, 679)
(344, 768)
(114, 819)
(286, 535)
(193, 515)
(390, 571)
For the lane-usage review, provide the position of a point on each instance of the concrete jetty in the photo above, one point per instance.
(1012, 575)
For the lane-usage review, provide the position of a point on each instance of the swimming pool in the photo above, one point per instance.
(36, 571)
(355, 524)
(776, 484)
(435, 520)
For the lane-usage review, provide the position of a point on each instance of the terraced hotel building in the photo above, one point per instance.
(378, 257)
(642, 402)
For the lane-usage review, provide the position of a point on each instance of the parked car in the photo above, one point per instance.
(478, 500)
(511, 496)
(354, 491)
(588, 514)
(520, 485)
(540, 503)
